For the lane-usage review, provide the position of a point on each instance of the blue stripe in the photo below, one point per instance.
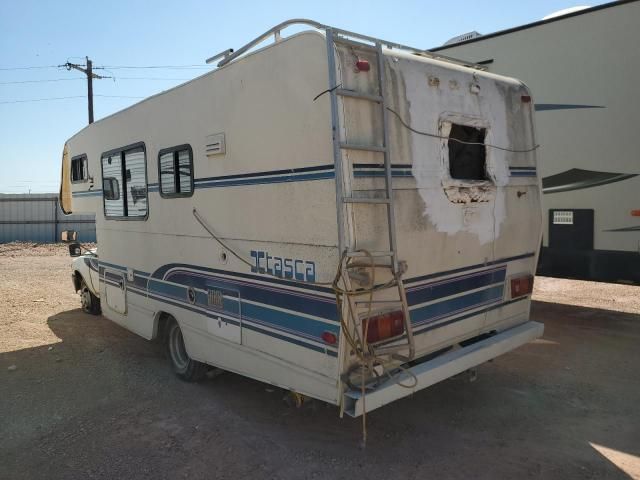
(440, 310)
(264, 180)
(294, 324)
(468, 268)
(87, 193)
(286, 322)
(291, 300)
(325, 350)
(453, 286)
(317, 348)
(313, 304)
(523, 171)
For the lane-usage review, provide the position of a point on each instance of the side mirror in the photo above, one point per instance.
(69, 236)
(75, 250)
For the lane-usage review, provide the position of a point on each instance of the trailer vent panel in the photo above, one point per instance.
(215, 144)
(561, 217)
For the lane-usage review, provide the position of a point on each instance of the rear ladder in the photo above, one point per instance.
(360, 300)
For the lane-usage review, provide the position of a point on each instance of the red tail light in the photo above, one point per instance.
(383, 326)
(521, 286)
(329, 337)
(635, 213)
(363, 66)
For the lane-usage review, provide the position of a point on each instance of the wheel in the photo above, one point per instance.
(90, 303)
(185, 367)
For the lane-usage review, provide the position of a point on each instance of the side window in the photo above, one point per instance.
(175, 171)
(467, 153)
(79, 169)
(124, 184)
(136, 183)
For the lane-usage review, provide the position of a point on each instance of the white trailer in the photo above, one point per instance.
(580, 65)
(333, 214)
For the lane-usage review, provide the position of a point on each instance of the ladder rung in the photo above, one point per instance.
(380, 302)
(378, 288)
(368, 148)
(366, 200)
(362, 96)
(377, 254)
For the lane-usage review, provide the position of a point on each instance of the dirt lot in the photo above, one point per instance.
(87, 399)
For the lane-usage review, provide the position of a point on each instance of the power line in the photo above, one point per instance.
(150, 78)
(63, 98)
(41, 99)
(117, 96)
(42, 81)
(80, 78)
(28, 68)
(168, 67)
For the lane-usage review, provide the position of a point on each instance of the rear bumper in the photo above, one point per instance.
(443, 367)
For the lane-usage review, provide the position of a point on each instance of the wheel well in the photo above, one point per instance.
(77, 280)
(163, 321)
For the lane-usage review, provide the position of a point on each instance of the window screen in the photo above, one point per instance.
(176, 171)
(79, 171)
(467, 161)
(124, 185)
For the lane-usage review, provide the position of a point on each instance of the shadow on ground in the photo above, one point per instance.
(103, 403)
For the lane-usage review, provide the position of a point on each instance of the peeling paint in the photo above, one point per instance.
(451, 205)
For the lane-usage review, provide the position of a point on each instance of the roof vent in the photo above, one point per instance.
(215, 144)
(463, 38)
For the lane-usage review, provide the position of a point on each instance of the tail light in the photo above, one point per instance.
(635, 213)
(521, 286)
(383, 326)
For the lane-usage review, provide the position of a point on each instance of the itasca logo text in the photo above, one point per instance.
(302, 270)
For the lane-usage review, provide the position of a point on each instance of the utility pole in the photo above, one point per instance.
(88, 71)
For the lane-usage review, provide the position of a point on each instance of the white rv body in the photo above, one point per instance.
(264, 183)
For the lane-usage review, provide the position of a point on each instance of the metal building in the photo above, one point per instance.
(37, 218)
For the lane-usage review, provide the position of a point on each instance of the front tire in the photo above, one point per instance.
(184, 366)
(90, 303)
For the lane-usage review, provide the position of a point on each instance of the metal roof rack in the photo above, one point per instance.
(275, 31)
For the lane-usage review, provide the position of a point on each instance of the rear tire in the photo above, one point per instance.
(90, 303)
(184, 366)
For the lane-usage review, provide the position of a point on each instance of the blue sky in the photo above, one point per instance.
(120, 33)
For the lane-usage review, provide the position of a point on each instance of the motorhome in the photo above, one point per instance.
(341, 216)
(579, 63)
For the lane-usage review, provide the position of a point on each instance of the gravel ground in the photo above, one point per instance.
(87, 399)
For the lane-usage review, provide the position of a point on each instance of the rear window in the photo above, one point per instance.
(467, 153)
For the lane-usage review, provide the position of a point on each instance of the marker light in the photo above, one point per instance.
(329, 337)
(383, 326)
(363, 65)
(521, 286)
(525, 98)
